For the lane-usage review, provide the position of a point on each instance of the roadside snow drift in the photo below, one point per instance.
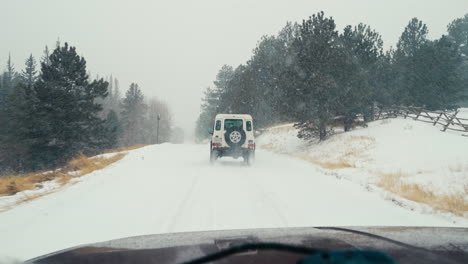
(419, 152)
(173, 188)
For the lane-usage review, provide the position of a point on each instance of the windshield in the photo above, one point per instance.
(131, 118)
(233, 124)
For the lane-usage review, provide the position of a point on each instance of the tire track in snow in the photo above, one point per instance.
(266, 197)
(181, 207)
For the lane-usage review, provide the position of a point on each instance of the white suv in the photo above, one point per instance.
(233, 136)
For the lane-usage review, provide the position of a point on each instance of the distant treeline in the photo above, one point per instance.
(312, 73)
(49, 116)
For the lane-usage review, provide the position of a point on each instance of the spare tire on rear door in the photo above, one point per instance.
(235, 137)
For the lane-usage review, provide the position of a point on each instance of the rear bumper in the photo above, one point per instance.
(232, 152)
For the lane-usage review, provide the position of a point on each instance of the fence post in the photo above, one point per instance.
(380, 112)
(465, 127)
(419, 113)
(428, 115)
(450, 121)
(437, 120)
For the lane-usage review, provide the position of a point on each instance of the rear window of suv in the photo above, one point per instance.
(233, 123)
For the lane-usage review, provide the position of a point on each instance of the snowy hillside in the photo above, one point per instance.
(391, 153)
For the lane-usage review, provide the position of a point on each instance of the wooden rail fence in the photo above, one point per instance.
(448, 120)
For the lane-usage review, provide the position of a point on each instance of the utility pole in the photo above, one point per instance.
(157, 130)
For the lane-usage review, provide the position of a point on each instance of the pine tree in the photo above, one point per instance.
(286, 79)
(112, 130)
(221, 91)
(208, 111)
(438, 81)
(9, 81)
(20, 131)
(413, 38)
(66, 108)
(362, 49)
(111, 87)
(238, 94)
(458, 33)
(217, 99)
(317, 63)
(106, 102)
(112, 101)
(262, 90)
(133, 116)
(2, 95)
(29, 74)
(46, 56)
(384, 81)
(116, 97)
(18, 120)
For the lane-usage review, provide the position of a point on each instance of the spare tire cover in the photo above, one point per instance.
(235, 137)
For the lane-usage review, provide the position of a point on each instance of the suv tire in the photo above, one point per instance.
(213, 155)
(249, 158)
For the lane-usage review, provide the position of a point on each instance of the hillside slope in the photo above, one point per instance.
(393, 154)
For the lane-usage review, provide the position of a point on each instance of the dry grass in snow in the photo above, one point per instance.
(10, 185)
(454, 203)
(332, 165)
(77, 167)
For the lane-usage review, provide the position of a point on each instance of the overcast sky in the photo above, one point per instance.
(173, 49)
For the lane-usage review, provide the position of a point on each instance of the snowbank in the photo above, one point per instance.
(416, 152)
(8, 202)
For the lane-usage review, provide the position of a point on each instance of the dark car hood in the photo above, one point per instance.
(404, 244)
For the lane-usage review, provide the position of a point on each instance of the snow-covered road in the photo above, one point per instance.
(173, 188)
